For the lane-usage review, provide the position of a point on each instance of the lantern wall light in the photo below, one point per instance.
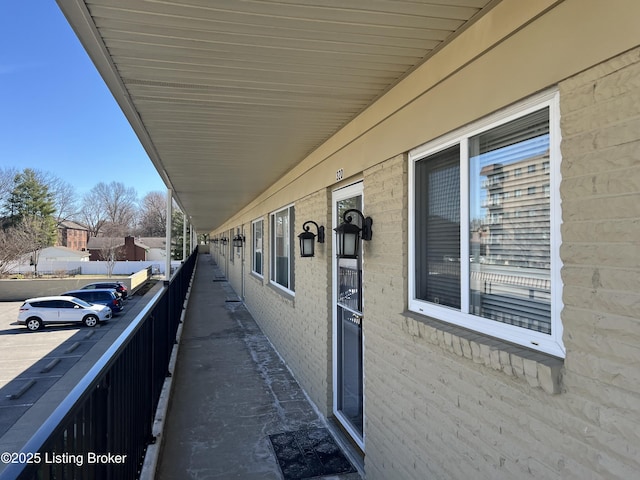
(238, 241)
(349, 234)
(307, 239)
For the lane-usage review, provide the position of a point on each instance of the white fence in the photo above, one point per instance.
(95, 268)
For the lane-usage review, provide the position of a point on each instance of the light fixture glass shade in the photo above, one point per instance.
(238, 241)
(348, 240)
(308, 239)
(307, 244)
(348, 235)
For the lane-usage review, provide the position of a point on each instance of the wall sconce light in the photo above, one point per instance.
(215, 240)
(224, 240)
(307, 239)
(349, 235)
(238, 241)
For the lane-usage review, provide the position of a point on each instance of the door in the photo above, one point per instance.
(68, 311)
(348, 404)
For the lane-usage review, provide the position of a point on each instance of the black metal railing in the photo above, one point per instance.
(103, 427)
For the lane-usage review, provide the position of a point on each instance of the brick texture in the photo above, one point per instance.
(441, 404)
(299, 327)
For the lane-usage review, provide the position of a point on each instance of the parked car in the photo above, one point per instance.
(35, 313)
(119, 287)
(102, 296)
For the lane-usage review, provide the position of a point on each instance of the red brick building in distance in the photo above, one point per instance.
(126, 249)
(72, 235)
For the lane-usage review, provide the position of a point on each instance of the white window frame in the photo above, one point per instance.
(254, 250)
(273, 273)
(551, 344)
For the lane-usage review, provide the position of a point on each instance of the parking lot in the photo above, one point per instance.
(42, 367)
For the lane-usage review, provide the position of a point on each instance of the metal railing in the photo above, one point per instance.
(103, 427)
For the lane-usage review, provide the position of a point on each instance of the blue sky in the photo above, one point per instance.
(56, 113)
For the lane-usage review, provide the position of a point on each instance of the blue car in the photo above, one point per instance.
(102, 296)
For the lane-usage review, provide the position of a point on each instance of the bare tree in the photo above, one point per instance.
(120, 203)
(92, 214)
(110, 252)
(12, 248)
(112, 205)
(7, 177)
(33, 234)
(153, 215)
(64, 198)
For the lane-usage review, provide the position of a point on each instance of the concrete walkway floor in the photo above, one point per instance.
(230, 392)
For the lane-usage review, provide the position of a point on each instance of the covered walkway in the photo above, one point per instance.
(233, 398)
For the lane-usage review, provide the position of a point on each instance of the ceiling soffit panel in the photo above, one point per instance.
(232, 94)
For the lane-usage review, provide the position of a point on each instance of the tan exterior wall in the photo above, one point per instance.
(436, 410)
(299, 326)
(441, 402)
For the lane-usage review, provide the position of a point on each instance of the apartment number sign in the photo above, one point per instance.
(339, 175)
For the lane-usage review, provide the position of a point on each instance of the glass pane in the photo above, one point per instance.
(349, 269)
(349, 284)
(437, 240)
(510, 227)
(282, 248)
(348, 204)
(257, 247)
(350, 395)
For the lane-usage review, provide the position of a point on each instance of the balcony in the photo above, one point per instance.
(491, 203)
(492, 182)
(231, 399)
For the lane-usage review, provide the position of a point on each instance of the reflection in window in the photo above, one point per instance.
(510, 281)
(282, 248)
(438, 228)
(257, 243)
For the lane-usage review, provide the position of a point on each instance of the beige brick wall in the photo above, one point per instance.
(442, 405)
(300, 327)
(601, 254)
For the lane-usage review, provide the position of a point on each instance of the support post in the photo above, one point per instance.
(167, 274)
(184, 237)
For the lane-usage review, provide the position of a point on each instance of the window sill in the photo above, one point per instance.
(287, 294)
(538, 369)
(257, 277)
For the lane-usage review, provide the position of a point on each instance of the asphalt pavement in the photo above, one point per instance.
(38, 369)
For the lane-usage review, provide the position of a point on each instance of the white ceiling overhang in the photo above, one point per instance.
(226, 96)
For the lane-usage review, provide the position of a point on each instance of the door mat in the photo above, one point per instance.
(309, 453)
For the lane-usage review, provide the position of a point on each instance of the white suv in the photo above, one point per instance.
(38, 312)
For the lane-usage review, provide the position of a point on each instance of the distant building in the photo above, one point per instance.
(60, 254)
(124, 248)
(156, 247)
(516, 212)
(72, 235)
(128, 248)
(49, 260)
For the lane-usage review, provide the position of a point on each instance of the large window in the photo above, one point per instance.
(281, 236)
(257, 244)
(476, 259)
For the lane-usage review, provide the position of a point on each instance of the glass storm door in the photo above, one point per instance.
(347, 325)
